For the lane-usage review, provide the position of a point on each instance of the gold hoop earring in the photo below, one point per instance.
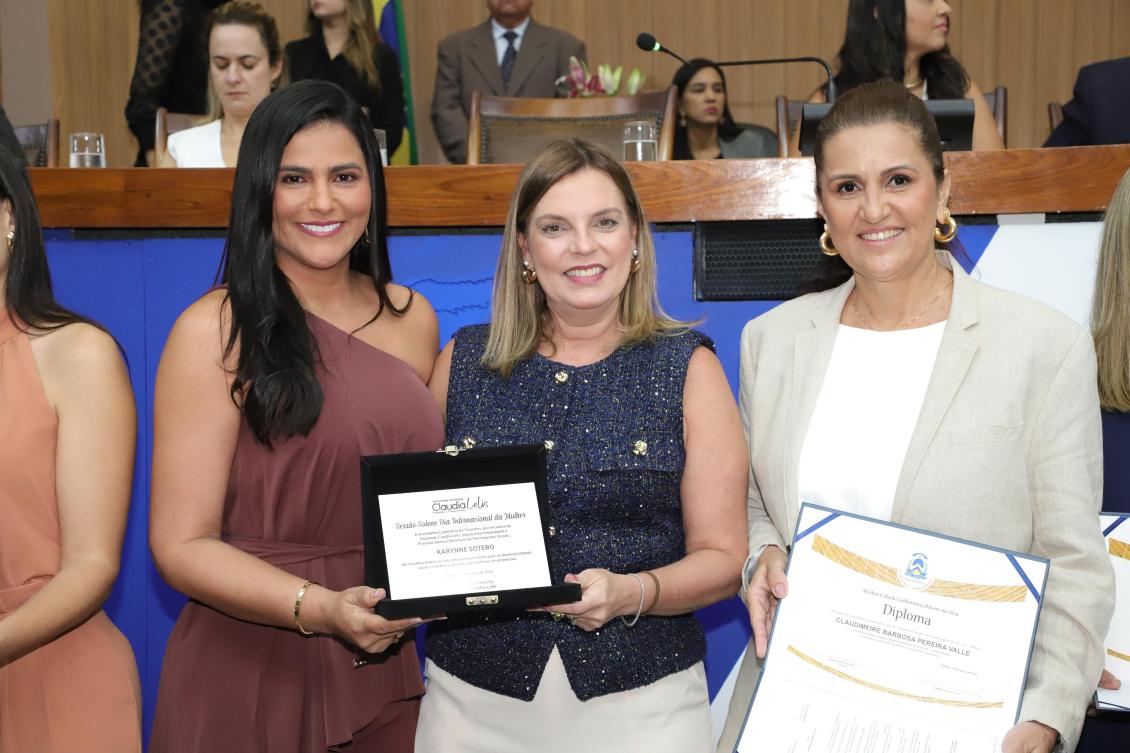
(826, 246)
(950, 231)
(529, 276)
(635, 260)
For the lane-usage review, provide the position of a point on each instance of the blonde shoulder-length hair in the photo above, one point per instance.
(519, 321)
(1110, 314)
(363, 42)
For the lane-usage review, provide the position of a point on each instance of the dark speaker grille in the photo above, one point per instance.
(754, 261)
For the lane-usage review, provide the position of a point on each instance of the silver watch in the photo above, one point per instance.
(751, 565)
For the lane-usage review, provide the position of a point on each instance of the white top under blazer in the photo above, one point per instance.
(866, 411)
(197, 147)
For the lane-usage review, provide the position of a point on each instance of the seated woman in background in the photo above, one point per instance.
(905, 40)
(706, 129)
(646, 473)
(245, 64)
(68, 681)
(171, 69)
(1110, 323)
(924, 397)
(343, 47)
(269, 390)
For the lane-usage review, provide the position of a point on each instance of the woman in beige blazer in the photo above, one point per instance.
(908, 391)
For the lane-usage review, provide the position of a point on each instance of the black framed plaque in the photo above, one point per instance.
(459, 530)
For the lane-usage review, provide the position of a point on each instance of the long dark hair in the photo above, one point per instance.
(28, 296)
(875, 48)
(874, 104)
(727, 128)
(275, 383)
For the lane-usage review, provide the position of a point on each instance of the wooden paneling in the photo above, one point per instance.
(1034, 47)
(1020, 180)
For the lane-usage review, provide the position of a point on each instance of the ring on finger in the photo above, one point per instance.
(557, 616)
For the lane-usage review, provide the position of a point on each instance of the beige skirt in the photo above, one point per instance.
(672, 714)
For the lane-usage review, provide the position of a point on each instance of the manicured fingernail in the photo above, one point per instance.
(779, 591)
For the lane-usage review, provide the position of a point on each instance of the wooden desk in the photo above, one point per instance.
(1079, 179)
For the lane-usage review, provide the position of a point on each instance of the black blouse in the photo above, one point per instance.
(171, 69)
(309, 58)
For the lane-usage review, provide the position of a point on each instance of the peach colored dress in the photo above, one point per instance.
(79, 692)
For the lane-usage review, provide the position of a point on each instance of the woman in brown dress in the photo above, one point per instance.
(270, 389)
(68, 681)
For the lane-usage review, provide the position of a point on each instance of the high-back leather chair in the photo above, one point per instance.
(513, 129)
(40, 142)
(998, 103)
(1055, 114)
(788, 115)
(169, 122)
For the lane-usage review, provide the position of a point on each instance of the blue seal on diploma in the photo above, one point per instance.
(917, 572)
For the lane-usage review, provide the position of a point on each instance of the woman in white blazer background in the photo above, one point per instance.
(907, 391)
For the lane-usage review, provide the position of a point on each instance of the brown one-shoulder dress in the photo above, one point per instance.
(79, 692)
(233, 685)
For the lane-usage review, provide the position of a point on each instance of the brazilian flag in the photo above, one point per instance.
(390, 26)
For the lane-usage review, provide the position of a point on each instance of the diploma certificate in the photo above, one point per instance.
(458, 530)
(892, 640)
(1116, 534)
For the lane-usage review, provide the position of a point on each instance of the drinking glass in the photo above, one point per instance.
(87, 150)
(640, 144)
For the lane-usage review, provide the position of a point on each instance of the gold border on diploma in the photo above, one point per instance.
(888, 574)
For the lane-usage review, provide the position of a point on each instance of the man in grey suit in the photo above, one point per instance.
(510, 55)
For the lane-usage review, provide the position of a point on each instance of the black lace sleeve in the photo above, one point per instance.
(162, 23)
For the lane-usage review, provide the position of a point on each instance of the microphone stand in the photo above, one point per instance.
(830, 91)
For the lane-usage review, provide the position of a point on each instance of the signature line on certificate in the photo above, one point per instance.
(887, 574)
(902, 693)
(1119, 549)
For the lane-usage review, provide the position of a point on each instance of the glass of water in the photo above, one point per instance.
(640, 144)
(88, 150)
(382, 143)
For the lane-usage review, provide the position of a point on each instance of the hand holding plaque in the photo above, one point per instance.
(459, 530)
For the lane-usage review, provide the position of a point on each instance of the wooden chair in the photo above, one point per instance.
(1055, 114)
(789, 112)
(788, 115)
(169, 122)
(998, 103)
(40, 142)
(513, 129)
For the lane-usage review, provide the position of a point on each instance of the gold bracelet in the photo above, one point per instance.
(298, 607)
(655, 599)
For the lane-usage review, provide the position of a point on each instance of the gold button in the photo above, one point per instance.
(468, 442)
(549, 445)
(639, 447)
(561, 377)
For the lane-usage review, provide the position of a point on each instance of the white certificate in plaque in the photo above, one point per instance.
(1116, 533)
(894, 639)
(457, 530)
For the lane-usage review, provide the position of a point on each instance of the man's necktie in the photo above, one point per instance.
(508, 57)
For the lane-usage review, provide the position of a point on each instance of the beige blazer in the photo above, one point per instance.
(468, 60)
(1007, 451)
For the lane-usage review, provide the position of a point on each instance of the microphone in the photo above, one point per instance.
(830, 86)
(648, 43)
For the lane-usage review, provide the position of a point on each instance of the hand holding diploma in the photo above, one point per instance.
(768, 586)
(1030, 737)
